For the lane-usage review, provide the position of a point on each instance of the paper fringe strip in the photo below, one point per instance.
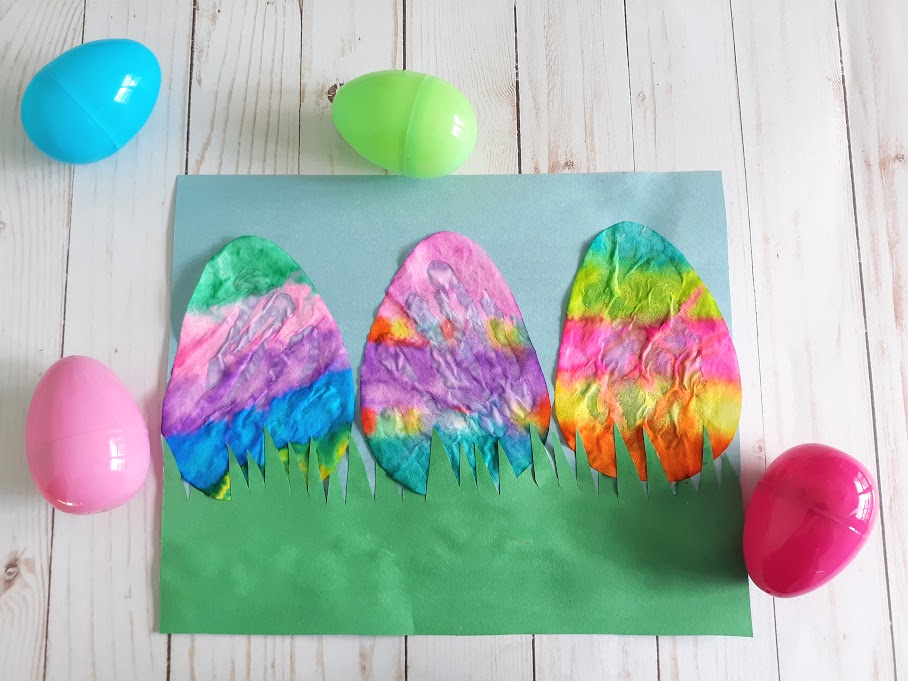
(548, 553)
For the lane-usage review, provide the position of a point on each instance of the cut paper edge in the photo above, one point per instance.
(364, 542)
(215, 288)
(550, 470)
(643, 432)
(409, 465)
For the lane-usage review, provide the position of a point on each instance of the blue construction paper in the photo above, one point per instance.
(351, 233)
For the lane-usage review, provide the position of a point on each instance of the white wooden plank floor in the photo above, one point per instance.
(803, 106)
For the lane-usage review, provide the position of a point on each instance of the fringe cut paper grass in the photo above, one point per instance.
(545, 553)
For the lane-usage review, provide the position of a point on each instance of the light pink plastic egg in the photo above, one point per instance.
(85, 438)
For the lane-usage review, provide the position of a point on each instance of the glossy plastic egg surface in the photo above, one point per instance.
(91, 100)
(85, 438)
(809, 516)
(407, 122)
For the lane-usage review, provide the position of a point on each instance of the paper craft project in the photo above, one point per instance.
(540, 555)
(645, 349)
(449, 375)
(258, 350)
(449, 352)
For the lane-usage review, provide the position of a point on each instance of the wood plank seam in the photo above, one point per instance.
(773, 35)
(53, 511)
(753, 278)
(403, 40)
(520, 172)
(878, 431)
(630, 104)
(194, 10)
(50, 560)
(299, 114)
(873, 412)
(517, 107)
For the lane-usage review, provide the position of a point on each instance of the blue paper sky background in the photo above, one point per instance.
(351, 233)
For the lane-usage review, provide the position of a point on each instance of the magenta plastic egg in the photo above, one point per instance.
(85, 438)
(810, 514)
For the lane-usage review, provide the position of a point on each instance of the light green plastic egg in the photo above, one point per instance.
(407, 122)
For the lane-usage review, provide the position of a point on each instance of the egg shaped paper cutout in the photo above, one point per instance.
(448, 351)
(410, 123)
(645, 348)
(258, 351)
(91, 100)
(85, 438)
(809, 516)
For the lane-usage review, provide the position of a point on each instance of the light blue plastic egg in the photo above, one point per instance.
(91, 100)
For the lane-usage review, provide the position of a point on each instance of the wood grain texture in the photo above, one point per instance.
(616, 658)
(875, 60)
(587, 100)
(286, 658)
(812, 349)
(455, 658)
(575, 113)
(101, 620)
(340, 42)
(34, 237)
(248, 110)
(245, 115)
(472, 44)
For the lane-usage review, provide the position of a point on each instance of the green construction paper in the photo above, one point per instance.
(546, 554)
